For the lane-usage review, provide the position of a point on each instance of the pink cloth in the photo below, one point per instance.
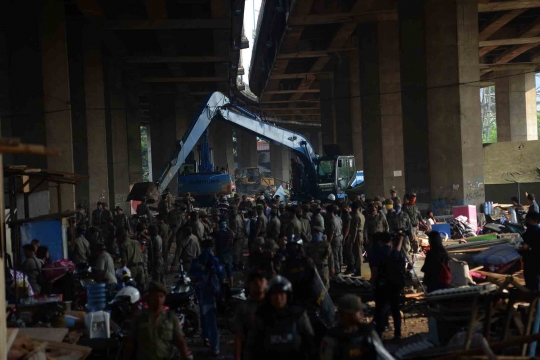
(68, 266)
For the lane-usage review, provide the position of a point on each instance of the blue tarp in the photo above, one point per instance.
(497, 255)
(49, 233)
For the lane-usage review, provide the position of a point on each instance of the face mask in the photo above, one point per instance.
(317, 237)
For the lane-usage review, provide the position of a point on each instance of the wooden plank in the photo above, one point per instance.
(311, 91)
(164, 24)
(184, 79)
(45, 334)
(292, 113)
(175, 59)
(323, 19)
(498, 24)
(516, 41)
(508, 5)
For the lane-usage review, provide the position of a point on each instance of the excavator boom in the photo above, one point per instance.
(219, 107)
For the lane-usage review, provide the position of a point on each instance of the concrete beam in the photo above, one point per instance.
(185, 79)
(174, 59)
(306, 91)
(308, 75)
(312, 54)
(498, 24)
(323, 19)
(56, 100)
(503, 42)
(356, 110)
(508, 5)
(530, 31)
(165, 24)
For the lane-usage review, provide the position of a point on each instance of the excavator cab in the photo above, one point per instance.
(251, 180)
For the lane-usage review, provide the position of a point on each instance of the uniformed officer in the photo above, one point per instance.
(396, 201)
(187, 248)
(300, 270)
(416, 218)
(375, 223)
(166, 234)
(274, 225)
(155, 254)
(261, 223)
(348, 258)
(399, 222)
(320, 252)
(317, 219)
(296, 223)
(238, 226)
(352, 338)
(156, 332)
(305, 226)
(177, 217)
(356, 235)
(280, 331)
(197, 226)
(121, 220)
(335, 236)
(131, 255)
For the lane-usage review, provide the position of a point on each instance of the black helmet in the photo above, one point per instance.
(279, 284)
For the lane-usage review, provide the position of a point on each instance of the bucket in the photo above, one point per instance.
(97, 297)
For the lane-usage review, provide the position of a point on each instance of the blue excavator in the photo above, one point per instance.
(315, 176)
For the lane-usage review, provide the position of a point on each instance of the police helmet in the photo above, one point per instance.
(332, 197)
(279, 284)
(295, 240)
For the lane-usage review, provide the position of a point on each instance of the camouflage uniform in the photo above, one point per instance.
(416, 217)
(321, 254)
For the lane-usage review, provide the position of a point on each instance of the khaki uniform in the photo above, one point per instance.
(273, 228)
(317, 220)
(163, 231)
(155, 258)
(261, 224)
(198, 230)
(81, 251)
(306, 230)
(296, 226)
(187, 249)
(416, 217)
(356, 234)
(156, 337)
(131, 255)
(348, 258)
(321, 254)
(238, 226)
(334, 229)
(375, 224)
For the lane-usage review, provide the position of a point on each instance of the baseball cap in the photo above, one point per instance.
(157, 287)
(350, 303)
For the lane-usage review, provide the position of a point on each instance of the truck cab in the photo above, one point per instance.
(334, 175)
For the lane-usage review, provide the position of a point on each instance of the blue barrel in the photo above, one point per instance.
(97, 297)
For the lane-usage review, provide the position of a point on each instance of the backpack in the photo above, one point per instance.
(391, 272)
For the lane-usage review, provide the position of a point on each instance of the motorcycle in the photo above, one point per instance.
(182, 301)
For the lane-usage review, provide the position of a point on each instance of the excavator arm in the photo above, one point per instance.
(219, 107)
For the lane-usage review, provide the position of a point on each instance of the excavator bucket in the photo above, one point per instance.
(144, 189)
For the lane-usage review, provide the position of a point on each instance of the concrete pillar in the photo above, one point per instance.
(356, 110)
(515, 92)
(133, 127)
(342, 105)
(414, 101)
(95, 118)
(119, 137)
(381, 108)
(222, 136)
(247, 149)
(56, 100)
(78, 110)
(163, 134)
(328, 120)
(280, 159)
(455, 127)
(26, 86)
